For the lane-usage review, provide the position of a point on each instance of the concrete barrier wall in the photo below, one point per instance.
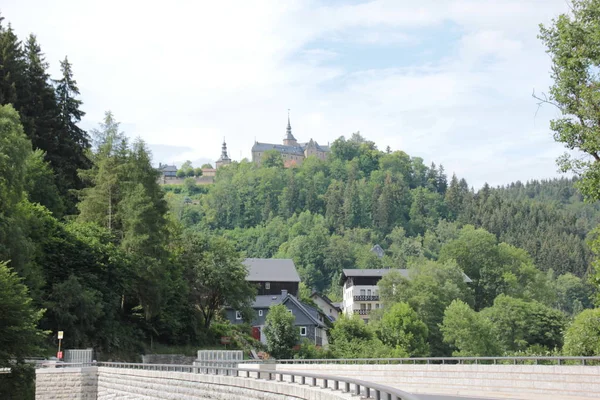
(514, 381)
(103, 383)
(66, 383)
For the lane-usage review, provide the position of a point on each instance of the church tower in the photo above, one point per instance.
(289, 139)
(224, 159)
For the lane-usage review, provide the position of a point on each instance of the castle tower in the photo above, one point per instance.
(224, 159)
(289, 139)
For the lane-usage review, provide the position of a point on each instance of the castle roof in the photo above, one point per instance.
(294, 150)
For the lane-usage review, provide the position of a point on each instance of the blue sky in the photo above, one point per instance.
(448, 81)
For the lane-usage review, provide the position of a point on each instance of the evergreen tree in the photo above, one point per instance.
(12, 67)
(352, 208)
(70, 115)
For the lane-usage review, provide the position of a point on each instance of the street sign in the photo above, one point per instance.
(60, 334)
(59, 355)
(225, 340)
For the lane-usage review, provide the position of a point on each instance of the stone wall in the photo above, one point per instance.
(66, 383)
(103, 383)
(514, 381)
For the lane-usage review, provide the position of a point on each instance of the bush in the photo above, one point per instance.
(583, 336)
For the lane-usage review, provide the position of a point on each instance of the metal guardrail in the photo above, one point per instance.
(553, 360)
(357, 387)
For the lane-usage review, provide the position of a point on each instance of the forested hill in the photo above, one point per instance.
(327, 215)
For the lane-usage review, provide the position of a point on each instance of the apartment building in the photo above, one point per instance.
(360, 291)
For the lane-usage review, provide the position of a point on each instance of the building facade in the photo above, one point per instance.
(360, 290)
(292, 152)
(331, 310)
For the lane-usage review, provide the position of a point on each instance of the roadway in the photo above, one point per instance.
(446, 397)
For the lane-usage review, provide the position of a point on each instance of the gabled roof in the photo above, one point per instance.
(378, 251)
(376, 273)
(296, 150)
(314, 144)
(266, 301)
(325, 299)
(168, 168)
(310, 312)
(271, 270)
(379, 273)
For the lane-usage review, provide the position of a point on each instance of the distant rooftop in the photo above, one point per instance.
(378, 273)
(168, 168)
(271, 270)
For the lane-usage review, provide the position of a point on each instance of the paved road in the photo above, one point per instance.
(445, 397)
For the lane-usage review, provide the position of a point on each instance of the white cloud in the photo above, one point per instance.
(187, 74)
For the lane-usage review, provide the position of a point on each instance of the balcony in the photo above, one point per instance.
(362, 312)
(366, 298)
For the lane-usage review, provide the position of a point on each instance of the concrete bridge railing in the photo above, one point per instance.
(125, 380)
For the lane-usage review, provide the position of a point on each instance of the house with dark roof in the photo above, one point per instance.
(168, 171)
(292, 152)
(310, 321)
(273, 275)
(360, 291)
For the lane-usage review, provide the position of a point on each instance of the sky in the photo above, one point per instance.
(448, 81)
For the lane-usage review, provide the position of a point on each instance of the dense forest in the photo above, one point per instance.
(92, 245)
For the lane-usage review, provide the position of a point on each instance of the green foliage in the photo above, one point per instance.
(521, 324)
(400, 327)
(280, 331)
(431, 288)
(509, 326)
(18, 319)
(19, 384)
(352, 338)
(469, 332)
(216, 276)
(15, 149)
(309, 350)
(571, 41)
(271, 159)
(582, 338)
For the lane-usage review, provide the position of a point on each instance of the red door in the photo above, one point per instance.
(256, 332)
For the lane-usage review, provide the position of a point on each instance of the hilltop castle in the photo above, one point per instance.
(292, 152)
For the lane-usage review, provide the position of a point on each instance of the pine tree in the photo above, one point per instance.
(334, 212)
(70, 115)
(352, 208)
(442, 181)
(454, 198)
(12, 65)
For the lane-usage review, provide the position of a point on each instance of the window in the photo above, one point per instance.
(376, 305)
(368, 292)
(260, 313)
(362, 292)
(267, 285)
(369, 306)
(238, 315)
(302, 331)
(363, 306)
(290, 311)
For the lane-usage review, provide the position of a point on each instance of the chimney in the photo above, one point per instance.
(283, 293)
